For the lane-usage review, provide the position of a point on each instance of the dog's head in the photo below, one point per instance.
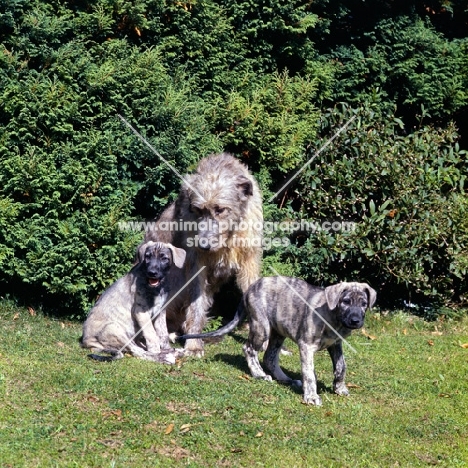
(216, 199)
(156, 258)
(351, 300)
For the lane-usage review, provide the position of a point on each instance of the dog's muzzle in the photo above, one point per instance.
(354, 319)
(154, 282)
(204, 243)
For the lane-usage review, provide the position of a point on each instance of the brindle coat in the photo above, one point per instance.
(130, 315)
(313, 317)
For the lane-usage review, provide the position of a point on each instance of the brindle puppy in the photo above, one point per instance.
(130, 315)
(315, 318)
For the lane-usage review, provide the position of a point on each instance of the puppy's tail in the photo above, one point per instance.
(240, 315)
(114, 355)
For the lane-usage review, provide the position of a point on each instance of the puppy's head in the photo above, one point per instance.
(157, 258)
(350, 302)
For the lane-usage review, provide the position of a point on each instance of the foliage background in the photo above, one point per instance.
(270, 82)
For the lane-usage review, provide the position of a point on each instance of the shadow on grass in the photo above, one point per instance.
(240, 363)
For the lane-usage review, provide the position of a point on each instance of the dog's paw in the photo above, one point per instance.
(341, 390)
(312, 400)
(285, 352)
(173, 337)
(194, 348)
(179, 352)
(296, 383)
(168, 359)
(198, 353)
(163, 357)
(267, 378)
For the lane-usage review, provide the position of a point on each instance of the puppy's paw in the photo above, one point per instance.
(179, 352)
(164, 357)
(312, 400)
(296, 383)
(341, 390)
(168, 358)
(267, 378)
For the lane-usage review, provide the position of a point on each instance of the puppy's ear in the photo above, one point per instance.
(245, 187)
(333, 293)
(141, 249)
(178, 255)
(371, 294)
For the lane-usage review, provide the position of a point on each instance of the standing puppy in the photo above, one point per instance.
(218, 219)
(278, 307)
(130, 314)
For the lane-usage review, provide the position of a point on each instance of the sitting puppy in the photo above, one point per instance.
(130, 315)
(315, 318)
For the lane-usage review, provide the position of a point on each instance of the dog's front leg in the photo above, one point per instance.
(309, 381)
(339, 368)
(196, 317)
(194, 324)
(146, 328)
(160, 328)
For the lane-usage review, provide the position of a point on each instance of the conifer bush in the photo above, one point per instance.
(200, 77)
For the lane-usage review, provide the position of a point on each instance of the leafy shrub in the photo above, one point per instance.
(70, 170)
(198, 77)
(271, 122)
(407, 196)
(275, 33)
(406, 62)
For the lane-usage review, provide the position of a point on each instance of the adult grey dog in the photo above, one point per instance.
(218, 219)
(315, 318)
(130, 315)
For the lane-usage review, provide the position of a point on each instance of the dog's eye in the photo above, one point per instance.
(218, 210)
(346, 301)
(196, 211)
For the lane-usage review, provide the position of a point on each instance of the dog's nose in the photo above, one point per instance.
(204, 243)
(355, 321)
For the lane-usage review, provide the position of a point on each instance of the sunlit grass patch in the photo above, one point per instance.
(407, 407)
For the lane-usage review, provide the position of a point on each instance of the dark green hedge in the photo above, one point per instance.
(199, 77)
(407, 198)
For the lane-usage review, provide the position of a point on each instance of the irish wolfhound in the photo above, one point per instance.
(315, 318)
(218, 219)
(130, 315)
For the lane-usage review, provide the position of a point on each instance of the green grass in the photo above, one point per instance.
(408, 405)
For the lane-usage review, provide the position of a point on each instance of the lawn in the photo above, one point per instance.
(408, 405)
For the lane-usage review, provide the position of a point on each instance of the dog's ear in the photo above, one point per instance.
(333, 293)
(371, 294)
(141, 249)
(178, 255)
(245, 187)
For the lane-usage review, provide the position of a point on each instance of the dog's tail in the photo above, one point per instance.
(239, 317)
(114, 355)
